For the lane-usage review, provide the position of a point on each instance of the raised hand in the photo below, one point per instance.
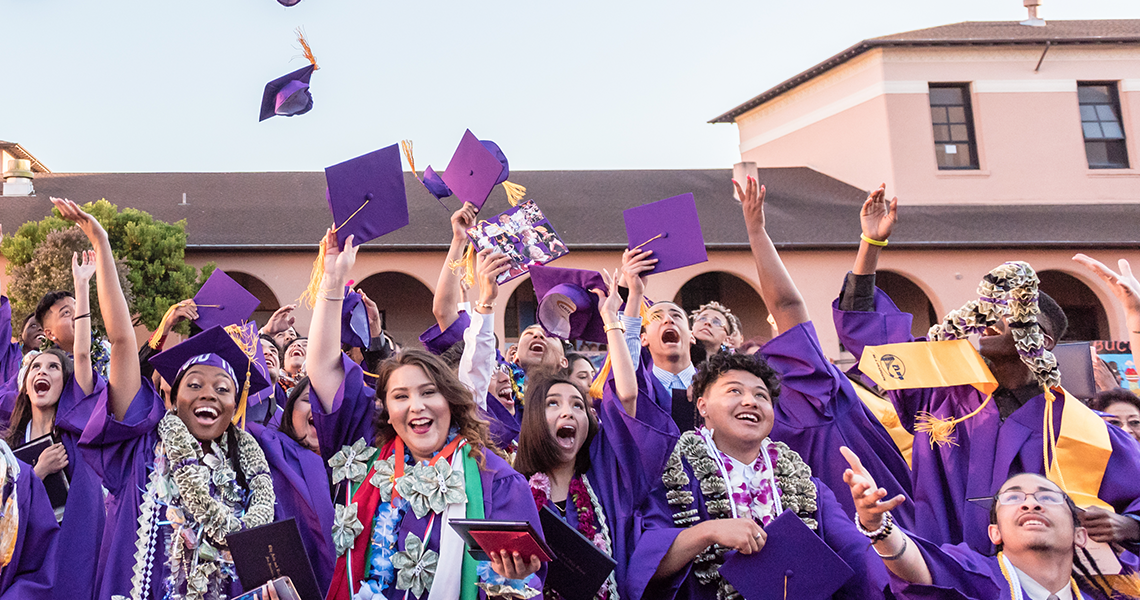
(83, 272)
(869, 503)
(752, 201)
(87, 224)
(879, 215)
(462, 220)
(635, 267)
(338, 262)
(373, 311)
(488, 267)
(608, 304)
(281, 320)
(1123, 285)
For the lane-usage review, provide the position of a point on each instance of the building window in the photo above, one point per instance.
(1100, 120)
(950, 114)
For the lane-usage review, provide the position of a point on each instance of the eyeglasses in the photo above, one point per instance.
(710, 321)
(1044, 497)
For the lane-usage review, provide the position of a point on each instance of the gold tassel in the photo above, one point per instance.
(154, 339)
(465, 266)
(406, 146)
(515, 192)
(1124, 583)
(247, 341)
(309, 296)
(308, 51)
(599, 383)
(941, 429)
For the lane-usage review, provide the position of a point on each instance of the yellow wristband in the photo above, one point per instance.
(872, 241)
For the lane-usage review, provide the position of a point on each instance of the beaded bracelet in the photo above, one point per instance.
(882, 532)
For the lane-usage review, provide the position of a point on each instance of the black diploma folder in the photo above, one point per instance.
(56, 484)
(266, 553)
(580, 569)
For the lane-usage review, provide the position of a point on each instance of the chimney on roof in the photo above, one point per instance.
(18, 178)
(1033, 20)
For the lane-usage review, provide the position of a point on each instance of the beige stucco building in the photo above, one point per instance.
(1003, 141)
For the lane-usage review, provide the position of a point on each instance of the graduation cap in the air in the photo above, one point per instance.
(366, 195)
(670, 228)
(354, 328)
(235, 349)
(567, 309)
(222, 301)
(289, 95)
(794, 563)
(476, 167)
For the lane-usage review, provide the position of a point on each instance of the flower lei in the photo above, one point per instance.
(591, 522)
(793, 478)
(203, 504)
(1009, 291)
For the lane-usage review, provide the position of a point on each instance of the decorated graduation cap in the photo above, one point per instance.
(476, 167)
(671, 229)
(289, 95)
(234, 349)
(794, 563)
(222, 301)
(367, 199)
(566, 307)
(354, 328)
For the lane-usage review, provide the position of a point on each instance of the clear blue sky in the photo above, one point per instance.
(160, 85)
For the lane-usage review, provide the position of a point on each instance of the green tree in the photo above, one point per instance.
(152, 251)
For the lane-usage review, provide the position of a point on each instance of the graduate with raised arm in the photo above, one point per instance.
(590, 468)
(410, 454)
(726, 481)
(967, 442)
(1033, 523)
(819, 410)
(450, 320)
(182, 480)
(55, 399)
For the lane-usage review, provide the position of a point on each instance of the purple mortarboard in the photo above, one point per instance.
(671, 229)
(288, 2)
(793, 556)
(566, 307)
(289, 95)
(474, 170)
(206, 348)
(222, 301)
(354, 329)
(366, 195)
(435, 185)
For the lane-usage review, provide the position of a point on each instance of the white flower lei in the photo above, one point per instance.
(199, 518)
(793, 478)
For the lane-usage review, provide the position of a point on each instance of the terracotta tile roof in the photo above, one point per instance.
(970, 33)
(806, 210)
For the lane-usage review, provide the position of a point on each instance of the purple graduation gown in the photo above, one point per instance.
(818, 411)
(31, 574)
(437, 342)
(85, 514)
(959, 573)
(835, 527)
(301, 486)
(988, 450)
(504, 426)
(506, 494)
(10, 355)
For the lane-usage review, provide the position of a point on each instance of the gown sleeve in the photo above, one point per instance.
(352, 412)
(31, 573)
(957, 573)
(110, 445)
(10, 355)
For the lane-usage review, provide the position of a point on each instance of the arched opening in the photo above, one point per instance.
(521, 309)
(1087, 317)
(909, 298)
(404, 303)
(257, 287)
(731, 291)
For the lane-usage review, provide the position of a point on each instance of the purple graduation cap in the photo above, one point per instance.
(566, 307)
(213, 347)
(475, 169)
(289, 95)
(670, 228)
(793, 555)
(222, 301)
(366, 195)
(435, 185)
(354, 328)
(288, 2)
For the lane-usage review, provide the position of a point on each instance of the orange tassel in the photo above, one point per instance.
(309, 296)
(515, 192)
(306, 49)
(465, 266)
(599, 384)
(406, 146)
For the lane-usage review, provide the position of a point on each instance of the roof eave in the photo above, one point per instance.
(850, 53)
